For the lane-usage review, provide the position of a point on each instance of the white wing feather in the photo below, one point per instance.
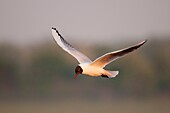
(69, 48)
(109, 57)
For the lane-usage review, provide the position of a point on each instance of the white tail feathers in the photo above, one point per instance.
(114, 73)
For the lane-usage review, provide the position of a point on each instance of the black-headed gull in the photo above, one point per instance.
(93, 68)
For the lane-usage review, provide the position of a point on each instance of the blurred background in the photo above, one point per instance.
(36, 75)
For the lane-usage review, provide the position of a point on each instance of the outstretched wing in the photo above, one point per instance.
(69, 48)
(109, 57)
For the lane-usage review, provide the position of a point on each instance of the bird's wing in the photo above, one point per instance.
(109, 57)
(69, 48)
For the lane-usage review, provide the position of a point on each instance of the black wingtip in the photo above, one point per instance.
(54, 28)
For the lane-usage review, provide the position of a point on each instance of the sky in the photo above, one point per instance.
(92, 21)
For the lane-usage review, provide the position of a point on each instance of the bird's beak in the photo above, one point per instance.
(76, 75)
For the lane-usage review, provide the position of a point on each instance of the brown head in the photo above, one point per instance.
(78, 71)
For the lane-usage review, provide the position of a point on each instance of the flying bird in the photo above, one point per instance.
(96, 67)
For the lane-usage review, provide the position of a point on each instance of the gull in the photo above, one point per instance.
(93, 68)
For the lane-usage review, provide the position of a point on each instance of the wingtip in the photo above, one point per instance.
(54, 28)
(143, 42)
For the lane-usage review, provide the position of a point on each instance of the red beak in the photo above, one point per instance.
(76, 75)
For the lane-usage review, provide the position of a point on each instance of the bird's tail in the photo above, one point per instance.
(113, 74)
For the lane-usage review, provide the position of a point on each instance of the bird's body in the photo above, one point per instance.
(96, 67)
(91, 70)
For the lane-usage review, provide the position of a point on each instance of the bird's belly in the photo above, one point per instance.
(93, 71)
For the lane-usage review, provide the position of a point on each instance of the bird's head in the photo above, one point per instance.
(78, 71)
